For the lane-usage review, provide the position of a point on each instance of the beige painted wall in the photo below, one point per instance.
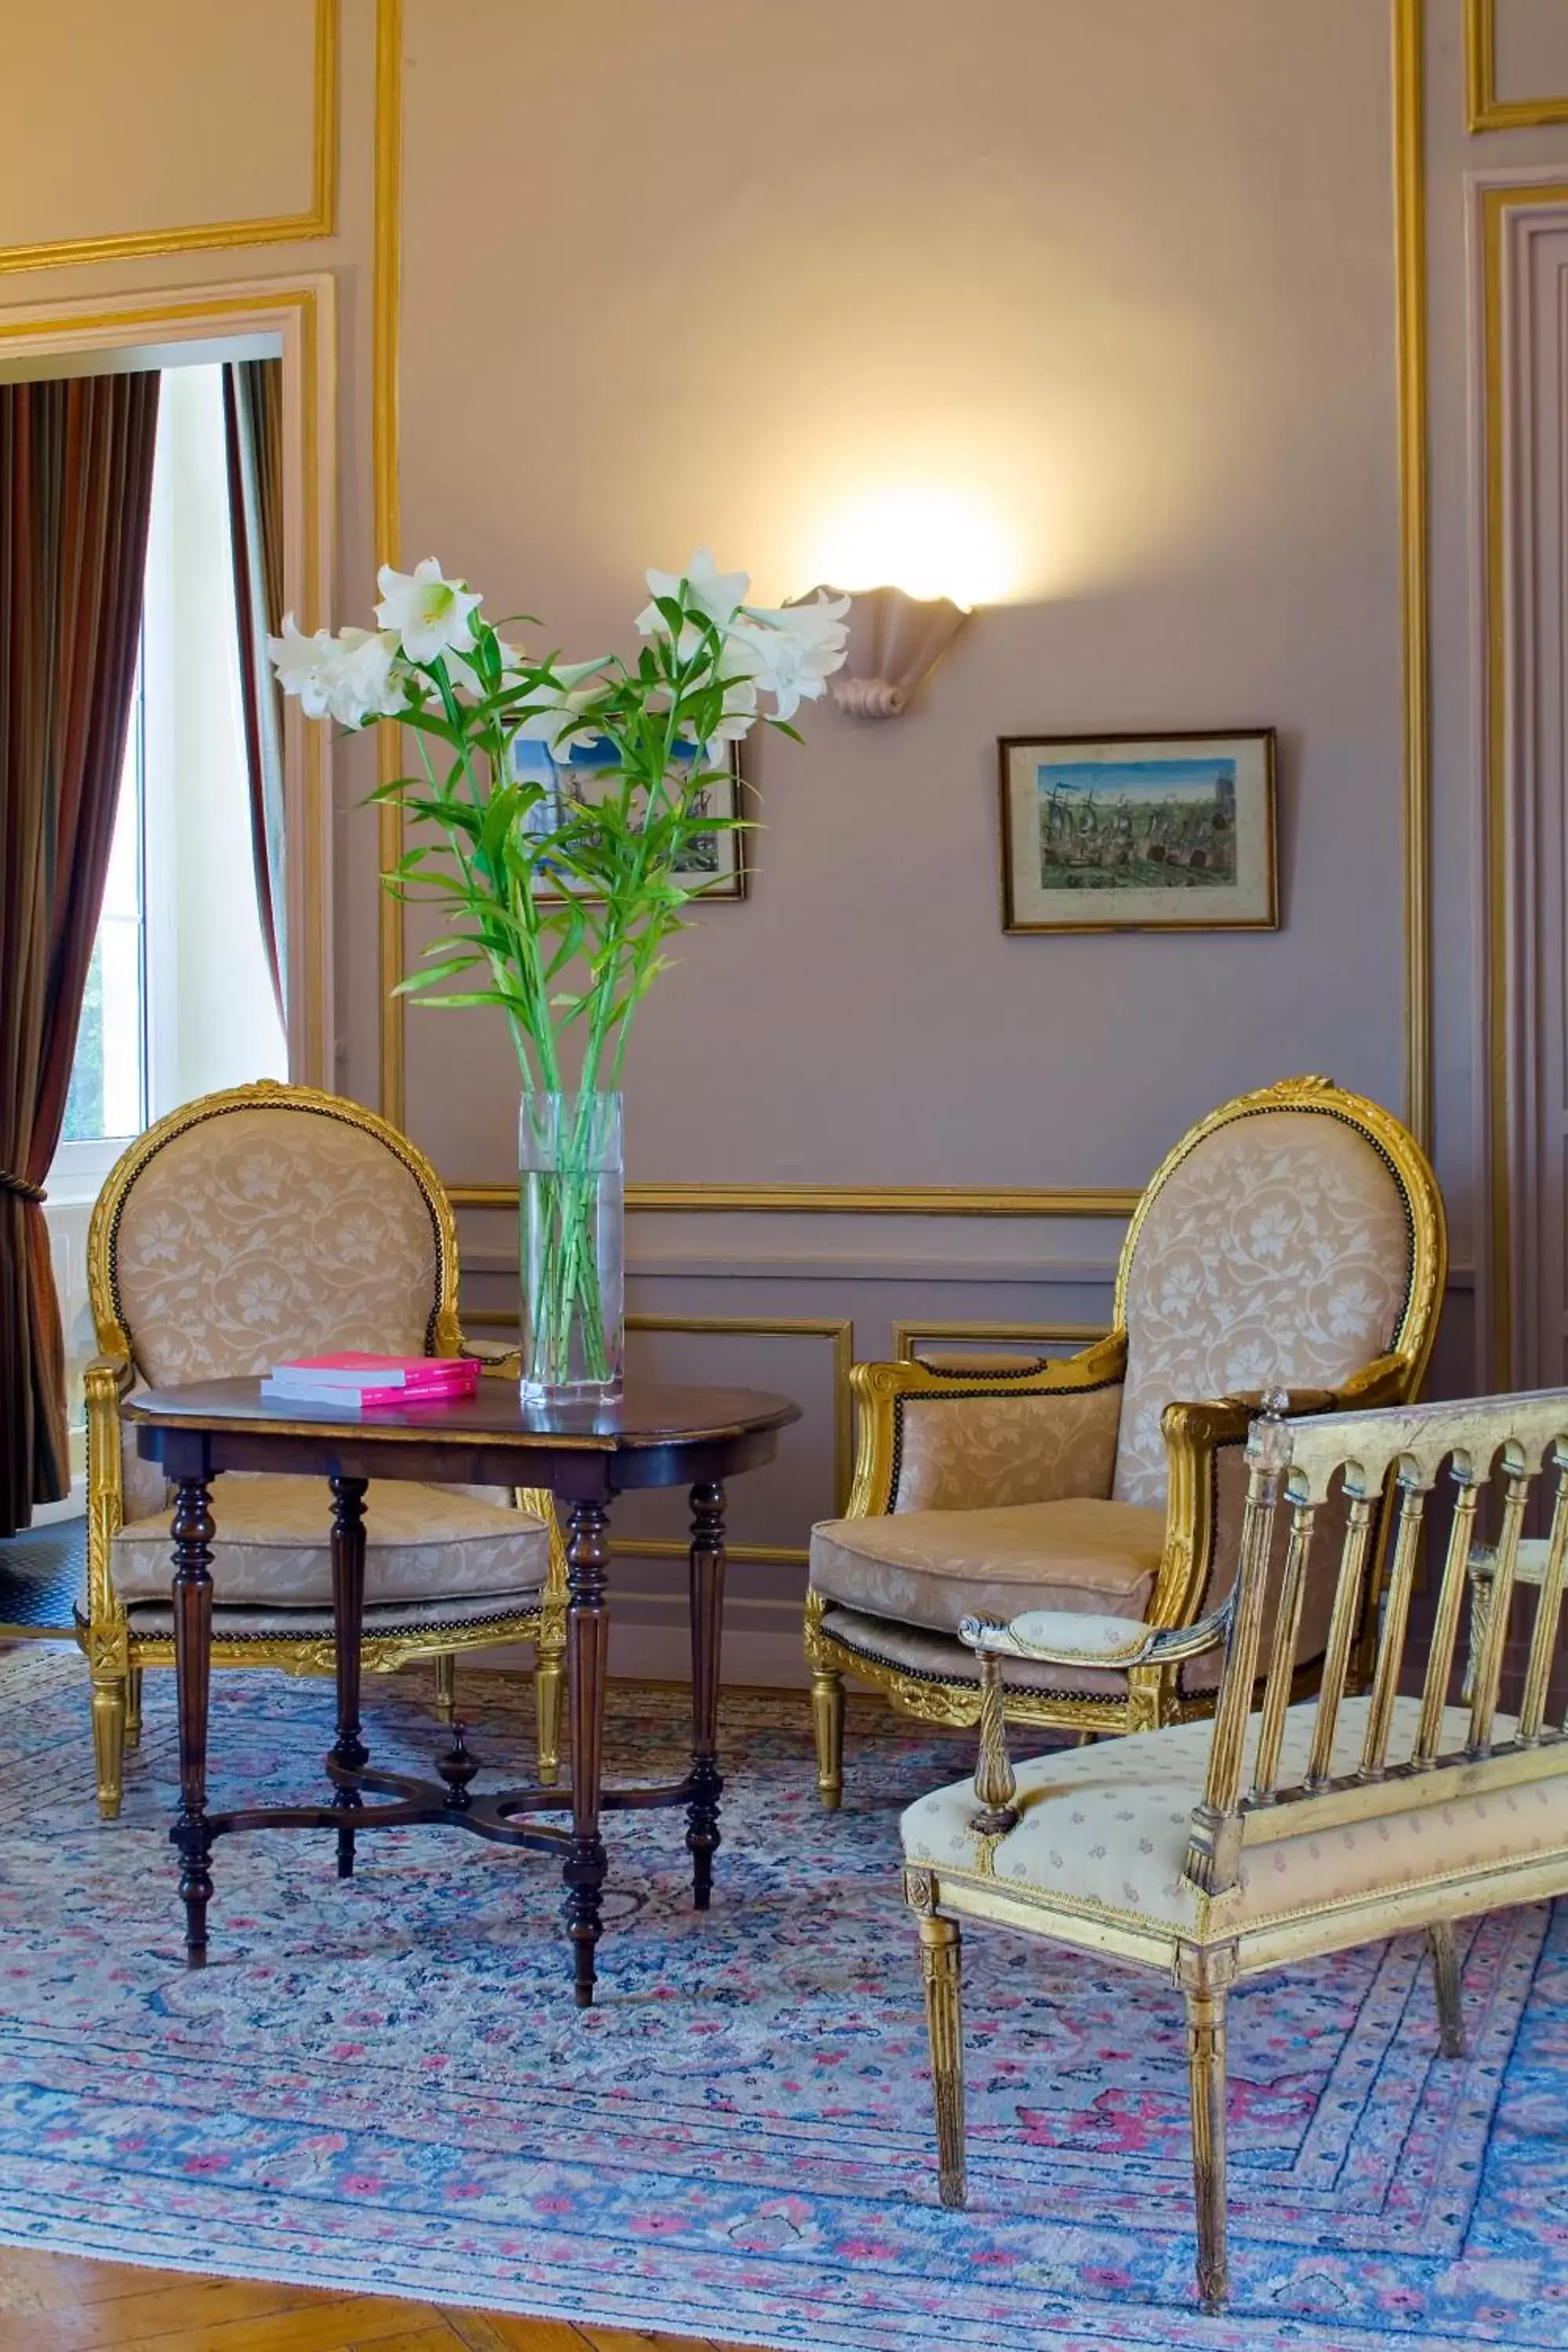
(1121, 280)
(1096, 274)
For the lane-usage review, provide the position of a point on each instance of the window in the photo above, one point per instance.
(178, 1000)
(107, 1099)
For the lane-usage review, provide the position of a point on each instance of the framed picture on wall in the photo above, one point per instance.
(1137, 833)
(713, 862)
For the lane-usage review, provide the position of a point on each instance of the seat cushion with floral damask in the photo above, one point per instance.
(936, 1568)
(274, 1544)
(1293, 1240)
(251, 1226)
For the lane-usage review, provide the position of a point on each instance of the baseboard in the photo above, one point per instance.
(765, 1658)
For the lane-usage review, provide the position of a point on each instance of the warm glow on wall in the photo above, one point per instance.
(926, 538)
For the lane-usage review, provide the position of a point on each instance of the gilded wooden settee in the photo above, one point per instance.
(1282, 1831)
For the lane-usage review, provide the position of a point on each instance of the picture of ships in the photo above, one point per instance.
(1137, 825)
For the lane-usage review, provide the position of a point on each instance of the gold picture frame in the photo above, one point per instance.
(1139, 833)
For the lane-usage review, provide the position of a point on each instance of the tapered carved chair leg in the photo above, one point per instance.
(549, 1709)
(827, 1724)
(1206, 2070)
(1446, 1980)
(133, 1707)
(942, 1967)
(109, 1742)
(447, 1685)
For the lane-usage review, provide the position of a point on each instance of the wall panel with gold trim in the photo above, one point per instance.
(1516, 63)
(144, 112)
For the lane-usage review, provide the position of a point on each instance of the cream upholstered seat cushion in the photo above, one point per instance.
(1104, 1830)
(1278, 1253)
(273, 1545)
(934, 1567)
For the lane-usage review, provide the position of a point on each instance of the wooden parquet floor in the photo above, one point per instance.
(57, 2303)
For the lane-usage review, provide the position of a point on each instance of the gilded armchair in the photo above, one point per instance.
(1280, 1831)
(246, 1226)
(1293, 1239)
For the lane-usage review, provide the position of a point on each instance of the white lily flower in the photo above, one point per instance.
(792, 651)
(820, 623)
(719, 594)
(306, 665)
(366, 682)
(740, 712)
(461, 670)
(429, 613)
(545, 714)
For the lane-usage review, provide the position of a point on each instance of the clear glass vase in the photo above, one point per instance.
(572, 1201)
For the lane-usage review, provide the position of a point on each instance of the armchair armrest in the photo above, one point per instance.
(1387, 1380)
(1207, 1480)
(894, 1469)
(1061, 1637)
(109, 1377)
(985, 1363)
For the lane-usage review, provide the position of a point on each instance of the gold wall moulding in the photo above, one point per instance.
(1410, 369)
(1498, 204)
(849, 1200)
(1484, 110)
(208, 236)
(838, 1329)
(386, 286)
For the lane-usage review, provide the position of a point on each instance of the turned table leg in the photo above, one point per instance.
(706, 1582)
(192, 1594)
(348, 1751)
(587, 1648)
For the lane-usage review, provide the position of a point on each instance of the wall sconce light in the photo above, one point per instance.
(895, 642)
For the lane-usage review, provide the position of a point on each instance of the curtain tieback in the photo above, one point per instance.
(17, 1184)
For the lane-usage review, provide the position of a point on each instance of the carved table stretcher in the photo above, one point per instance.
(656, 1436)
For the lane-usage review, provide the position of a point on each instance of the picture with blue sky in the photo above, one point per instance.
(1115, 824)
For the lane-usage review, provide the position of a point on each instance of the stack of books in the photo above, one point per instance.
(361, 1383)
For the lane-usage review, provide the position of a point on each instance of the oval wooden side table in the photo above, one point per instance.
(656, 1436)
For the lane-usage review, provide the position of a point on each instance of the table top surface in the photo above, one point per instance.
(650, 1413)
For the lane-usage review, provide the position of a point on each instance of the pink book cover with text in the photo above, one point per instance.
(353, 1369)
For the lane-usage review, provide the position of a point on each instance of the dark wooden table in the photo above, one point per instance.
(656, 1437)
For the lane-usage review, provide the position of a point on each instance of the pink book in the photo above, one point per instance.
(298, 1390)
(355, 1371)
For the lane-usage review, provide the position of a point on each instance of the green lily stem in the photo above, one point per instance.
(569, 1337)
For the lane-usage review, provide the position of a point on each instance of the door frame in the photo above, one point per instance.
(299, 311)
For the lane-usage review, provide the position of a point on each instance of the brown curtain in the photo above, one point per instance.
(75, 479)
(253, 424)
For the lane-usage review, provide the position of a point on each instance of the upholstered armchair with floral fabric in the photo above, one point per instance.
(1293, 1240)
(248, 1226)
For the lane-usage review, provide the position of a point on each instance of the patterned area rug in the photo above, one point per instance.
(384, 2086)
